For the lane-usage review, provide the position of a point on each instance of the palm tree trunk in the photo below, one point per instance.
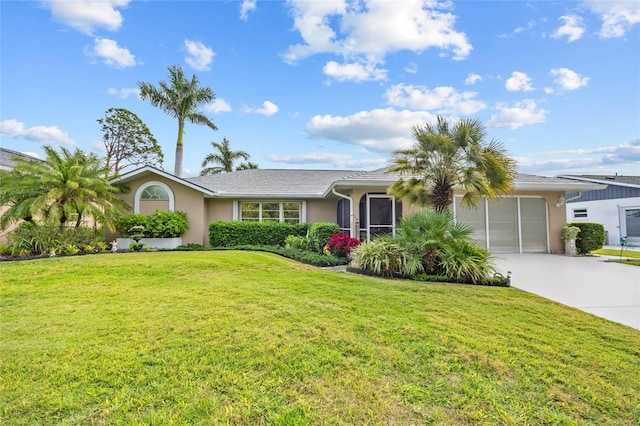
(177, 170)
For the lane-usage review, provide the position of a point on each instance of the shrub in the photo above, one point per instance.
(43, 239)
(386, 257)
(465, 261)
(341, 245)
(126, 223)
(591, 236)
(296, 242)
(319, 235)
(303, 256)
(161, 224)
(164, 224)
(236, 233)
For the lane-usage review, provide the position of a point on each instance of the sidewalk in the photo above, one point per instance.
(591, 283)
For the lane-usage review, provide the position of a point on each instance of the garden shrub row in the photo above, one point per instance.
(161, 224)
(303, 256)
(238, 233)
(30, 239)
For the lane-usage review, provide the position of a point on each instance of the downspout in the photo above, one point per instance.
(346, 197)
(575, 197)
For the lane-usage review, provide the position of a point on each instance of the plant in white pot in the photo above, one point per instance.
(569, 235)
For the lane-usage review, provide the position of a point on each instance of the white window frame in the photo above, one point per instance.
(138, 194)
(237, 209)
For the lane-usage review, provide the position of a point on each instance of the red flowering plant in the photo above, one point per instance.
(340, 245)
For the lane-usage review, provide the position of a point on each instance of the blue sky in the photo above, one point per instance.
(332, 84)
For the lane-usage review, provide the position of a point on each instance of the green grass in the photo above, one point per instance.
(252, 338)
(625, 253)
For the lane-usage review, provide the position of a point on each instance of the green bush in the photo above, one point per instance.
(164, 224)
(161, 224)
(590, 238)
(319, 235)
(296, 242)
(386, 257)
(43, 239)
(236, 233)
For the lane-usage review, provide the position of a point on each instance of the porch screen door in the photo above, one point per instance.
(381, 215)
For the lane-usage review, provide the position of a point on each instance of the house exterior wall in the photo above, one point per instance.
(187, 200)
(606, 212)
(322, 210)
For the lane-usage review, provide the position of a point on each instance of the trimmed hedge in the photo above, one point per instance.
(160, 224)
(319, 235)
(590, 238)
(238, 233)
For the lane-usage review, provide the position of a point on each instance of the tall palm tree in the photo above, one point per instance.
(66, 186)
(222, 159)
(180, 99)
(446, 156)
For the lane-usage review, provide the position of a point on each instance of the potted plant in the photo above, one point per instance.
(569, 235)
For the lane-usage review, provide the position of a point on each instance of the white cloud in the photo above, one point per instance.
(573, 28)
(568, 79)
(411, 68)
(521, 114)
(472, 79)
(85, 16)
(354, 71)
(338, 160)
(217, 106)
(442, 100)
(378, 130)
(268, 108)
(600, 160)
(199, 56)
(519, 82)
(16, 129)
(618, 17)
(365, 32)
(112, 54)
(246, 7)
(124, 93)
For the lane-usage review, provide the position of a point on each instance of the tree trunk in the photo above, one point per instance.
(177, 170)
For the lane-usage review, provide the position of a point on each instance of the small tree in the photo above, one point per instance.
(65, 188)
(128, 141)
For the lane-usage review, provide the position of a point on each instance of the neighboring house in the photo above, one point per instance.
(616, 207)
(7, 162)
(529, 221)
(7, 158)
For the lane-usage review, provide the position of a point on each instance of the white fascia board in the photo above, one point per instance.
(600, 181)
(558, 187)
(135, 174)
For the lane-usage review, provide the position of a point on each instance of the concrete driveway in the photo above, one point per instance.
(607, 289)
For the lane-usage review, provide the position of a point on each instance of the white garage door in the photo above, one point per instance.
(508, 225)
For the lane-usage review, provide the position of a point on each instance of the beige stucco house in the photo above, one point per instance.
(528, 221)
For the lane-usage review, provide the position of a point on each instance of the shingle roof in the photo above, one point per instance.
(272, 182)
(608, 179)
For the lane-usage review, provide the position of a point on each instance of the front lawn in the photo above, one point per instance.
(234, 337)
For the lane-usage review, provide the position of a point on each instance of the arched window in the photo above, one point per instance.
(155, 192)
(152, 196)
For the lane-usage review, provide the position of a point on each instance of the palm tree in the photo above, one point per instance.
(180, 99)
(446, 156)
(223, 159)
(66, 186)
